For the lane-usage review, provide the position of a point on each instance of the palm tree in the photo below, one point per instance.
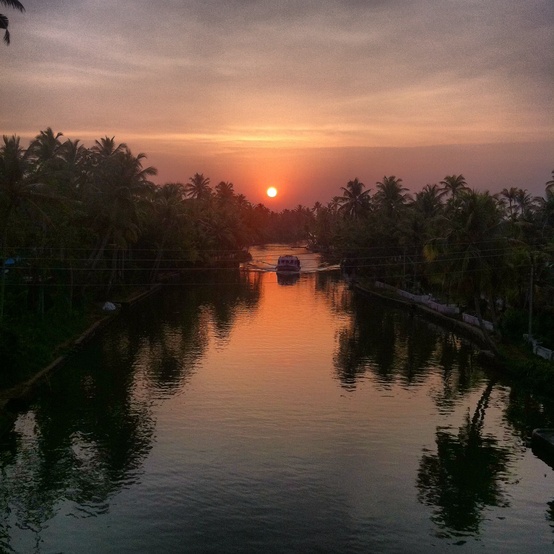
(19, 184)
(525, 203)
(428, 201)
(355, 200)
(317, 207)
(75, 158)
(119, 184)
(419, 224)
(224, 191)
(391, 196)
(105, 149)
(453, 185)
(242, 202)
(473, 250)
(169, 213)
(334, 204)
(16, 5)
(510, 195)
(46, 153)
(198, 187)
(21, 188)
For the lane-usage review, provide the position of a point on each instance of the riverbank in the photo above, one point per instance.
(509, 360)
(17, 398)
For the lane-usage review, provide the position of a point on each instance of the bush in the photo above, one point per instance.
(514, 324)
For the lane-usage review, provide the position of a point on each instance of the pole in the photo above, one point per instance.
(530, 327)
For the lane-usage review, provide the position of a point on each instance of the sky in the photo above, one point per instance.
(302, 95)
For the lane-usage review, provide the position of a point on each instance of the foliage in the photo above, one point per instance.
(79, 225)
(492, 254)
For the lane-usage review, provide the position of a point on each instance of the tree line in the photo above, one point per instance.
(492, 254)
(80, 224)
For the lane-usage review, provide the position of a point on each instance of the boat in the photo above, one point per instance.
(288, 264)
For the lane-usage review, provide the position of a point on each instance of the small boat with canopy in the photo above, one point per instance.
(288, 264)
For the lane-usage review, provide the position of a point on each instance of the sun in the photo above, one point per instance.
(271, 192)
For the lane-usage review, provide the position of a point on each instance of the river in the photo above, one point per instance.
(239, 413)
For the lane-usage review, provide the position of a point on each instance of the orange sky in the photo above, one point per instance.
(303, 96)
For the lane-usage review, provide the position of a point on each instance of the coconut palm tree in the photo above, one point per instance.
(428, 201)
(75, 161)
(105, 148)
(22, 189)
(20, 185)
(391, 196)
(198, 187)
(16, 5)
(453, 185)
(116, 198)
(169, 215)
(242, 202)
(355, 201)
(525, 203)
(473, 250)
(46, 153)
(510, 196)
(46, 146)
(420, 223)
(224, 191)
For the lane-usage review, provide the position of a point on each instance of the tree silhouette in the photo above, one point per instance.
(391, 196)
(198, 187)
(453, 185)
(355, 200)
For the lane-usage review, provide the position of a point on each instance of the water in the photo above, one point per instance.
(240, 414)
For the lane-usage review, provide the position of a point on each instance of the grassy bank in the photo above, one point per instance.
(28, 344)
(527, 369)
(32, 347)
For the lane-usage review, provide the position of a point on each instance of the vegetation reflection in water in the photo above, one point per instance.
(169, 432)
(466, 471)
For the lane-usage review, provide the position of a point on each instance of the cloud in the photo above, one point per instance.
(223, 75)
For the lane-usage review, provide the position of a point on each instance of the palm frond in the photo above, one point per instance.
(4, 25)
(13, 4)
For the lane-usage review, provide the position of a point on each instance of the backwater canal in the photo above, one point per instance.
(238, 413)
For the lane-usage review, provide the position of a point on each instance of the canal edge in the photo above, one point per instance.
(468, 331)
(528, 371)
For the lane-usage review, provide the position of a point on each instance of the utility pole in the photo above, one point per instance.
(530, 327)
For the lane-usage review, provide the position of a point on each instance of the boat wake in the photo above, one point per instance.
(266, 267)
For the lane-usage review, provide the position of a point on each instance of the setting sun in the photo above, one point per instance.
(272, 192)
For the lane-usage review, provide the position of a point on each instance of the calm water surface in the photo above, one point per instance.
(239, 413)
